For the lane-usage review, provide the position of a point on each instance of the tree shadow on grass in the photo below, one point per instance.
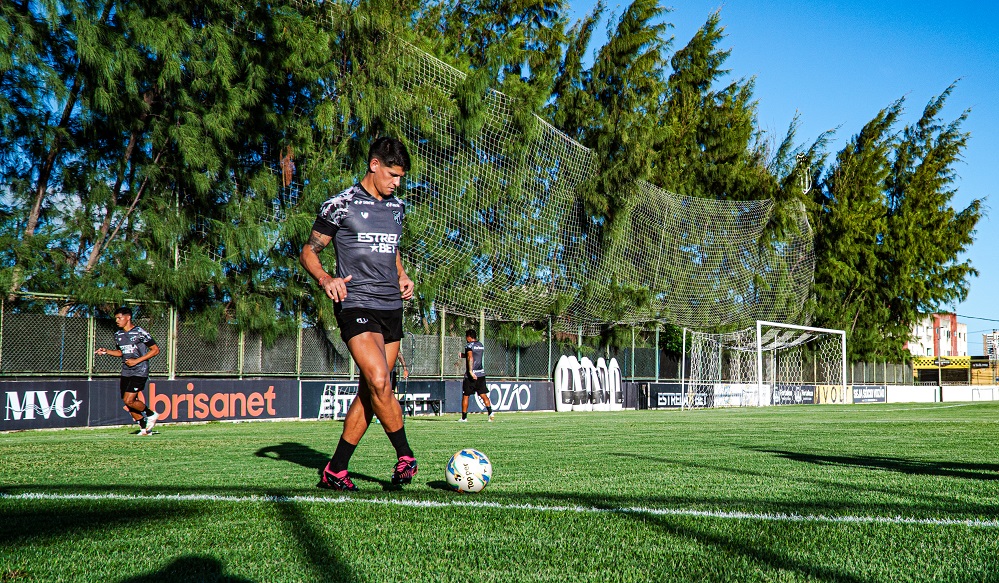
(189, 569)
(321, 555)
(900, 465)
(21, 526)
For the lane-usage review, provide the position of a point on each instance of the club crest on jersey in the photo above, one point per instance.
(397, 216)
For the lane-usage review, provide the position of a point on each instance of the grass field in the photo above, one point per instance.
(806, 493)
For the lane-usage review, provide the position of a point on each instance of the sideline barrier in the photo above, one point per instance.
(80, 403)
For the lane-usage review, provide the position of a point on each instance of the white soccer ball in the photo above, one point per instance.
(469, 470)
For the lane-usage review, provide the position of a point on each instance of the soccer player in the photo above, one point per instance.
(364, 223)
(395, 376)
(475, 376)
(135, 347)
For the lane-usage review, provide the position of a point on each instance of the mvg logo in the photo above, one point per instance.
(38, 403)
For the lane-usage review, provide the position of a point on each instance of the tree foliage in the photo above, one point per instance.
(177, 151)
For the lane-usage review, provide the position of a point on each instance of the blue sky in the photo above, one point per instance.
(837, 64)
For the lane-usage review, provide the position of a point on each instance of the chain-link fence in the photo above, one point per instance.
(51, 336)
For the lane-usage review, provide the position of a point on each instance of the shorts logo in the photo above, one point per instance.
(362, 320)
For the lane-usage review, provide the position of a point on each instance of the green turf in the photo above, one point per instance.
(578, 497)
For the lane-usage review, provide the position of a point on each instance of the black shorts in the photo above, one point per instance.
(354, 321)
(472, 386)
(131, 384)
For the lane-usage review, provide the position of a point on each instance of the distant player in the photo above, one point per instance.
(395, 376)
(475, 376)
(364, 223)
(135, 347)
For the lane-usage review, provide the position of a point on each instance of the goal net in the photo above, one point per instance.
(771, 364)
(496, 225)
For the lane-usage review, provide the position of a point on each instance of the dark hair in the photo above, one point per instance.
(390, 151)
(124, 310)
(470, 334)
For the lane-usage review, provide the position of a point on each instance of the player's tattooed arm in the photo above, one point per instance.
(318, 242)
(309, 257)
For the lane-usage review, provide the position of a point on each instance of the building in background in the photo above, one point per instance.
(939, 335)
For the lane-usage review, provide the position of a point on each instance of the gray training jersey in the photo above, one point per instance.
(133, 344)
(366, 233)
(477, 351)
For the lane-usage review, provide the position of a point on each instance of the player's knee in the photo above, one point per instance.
(380, 384)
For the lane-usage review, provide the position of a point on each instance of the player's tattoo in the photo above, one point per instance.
(316, 242)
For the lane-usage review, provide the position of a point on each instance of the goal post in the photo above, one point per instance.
(770, 364)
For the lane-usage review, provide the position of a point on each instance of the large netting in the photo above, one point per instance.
(496, 226)
(725, 369)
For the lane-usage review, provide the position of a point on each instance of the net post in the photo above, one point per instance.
(843, 349)
(443, 332)
(683, 369)
(759, 361)
(298, 348)
(242, 352)
(91, 345)
(633, 353)
(657, 352)
(550, 342)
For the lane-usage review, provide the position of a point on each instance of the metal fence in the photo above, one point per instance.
(49, 336)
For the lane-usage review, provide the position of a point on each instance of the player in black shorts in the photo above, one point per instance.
(364, 223)
(135, 347)
(475, 376)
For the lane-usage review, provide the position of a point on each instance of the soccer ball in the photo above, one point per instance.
(468, 470)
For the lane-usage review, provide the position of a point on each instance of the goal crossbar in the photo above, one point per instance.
(760, 365)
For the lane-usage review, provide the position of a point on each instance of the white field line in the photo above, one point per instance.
(761, 516)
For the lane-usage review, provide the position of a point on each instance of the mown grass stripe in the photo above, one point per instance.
(479, 504)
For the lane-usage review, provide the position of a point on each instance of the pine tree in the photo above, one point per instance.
(887, 240)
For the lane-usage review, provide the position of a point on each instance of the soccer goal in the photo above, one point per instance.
(771, 364)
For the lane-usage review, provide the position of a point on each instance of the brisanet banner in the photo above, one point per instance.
(504, 396)
(45, 404)
(185, 400)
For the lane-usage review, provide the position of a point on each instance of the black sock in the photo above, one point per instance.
(142, 423)
(341, 457)
(489, 409)
(148, 412)
(464, 414)
(399, 442)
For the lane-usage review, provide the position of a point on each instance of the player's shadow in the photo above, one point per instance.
(307, 457)
(295, 453)
(892, 464)
(189, 569)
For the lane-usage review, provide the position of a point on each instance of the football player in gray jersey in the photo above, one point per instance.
(135, 348)
(364, 223)
(475, 376)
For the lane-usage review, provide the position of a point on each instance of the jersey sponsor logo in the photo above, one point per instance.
(379, 242)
